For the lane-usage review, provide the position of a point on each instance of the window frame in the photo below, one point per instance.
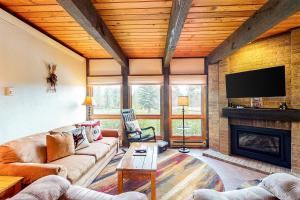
(149, 116)
(107, 116)
(202, 117)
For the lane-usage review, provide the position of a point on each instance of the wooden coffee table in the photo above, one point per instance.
(139, 167)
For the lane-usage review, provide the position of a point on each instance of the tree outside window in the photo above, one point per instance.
(146, 99)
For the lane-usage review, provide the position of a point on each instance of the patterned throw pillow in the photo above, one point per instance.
(80, 138)
(93, 130)
(133, 125)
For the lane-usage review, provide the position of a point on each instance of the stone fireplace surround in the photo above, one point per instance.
(284, 50)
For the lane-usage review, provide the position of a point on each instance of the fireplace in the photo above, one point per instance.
(264, 144)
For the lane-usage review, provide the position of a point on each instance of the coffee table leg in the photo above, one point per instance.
(153, 185)
(120, 182)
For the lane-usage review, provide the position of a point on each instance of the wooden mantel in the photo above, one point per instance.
(262, 114)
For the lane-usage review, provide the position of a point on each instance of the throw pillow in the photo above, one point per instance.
(133, 125)
(80, 138)
(93, 130)
(59, 145)
(282, 185)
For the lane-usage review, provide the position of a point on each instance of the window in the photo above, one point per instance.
(145, 100)
(108, 105)
(107, 99)
(194, 113)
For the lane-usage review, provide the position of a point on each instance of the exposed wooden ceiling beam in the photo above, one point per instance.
(84, 12)
(270, 14)
(180, 10)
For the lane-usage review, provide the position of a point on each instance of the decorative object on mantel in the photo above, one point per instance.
(89, 103)
(256, 102)
(283, 106)
(183, 101)
(52, 78)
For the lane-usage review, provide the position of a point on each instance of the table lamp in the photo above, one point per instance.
(89, 103)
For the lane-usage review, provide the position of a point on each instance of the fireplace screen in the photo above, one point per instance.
(264, 144)
(259, 142)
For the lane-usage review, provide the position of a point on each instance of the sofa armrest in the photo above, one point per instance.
(80, 193)
(50, 187)
(110, 133)
(32, 171)
(131, 196)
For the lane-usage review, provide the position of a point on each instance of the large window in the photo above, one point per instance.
(145, 100)
(194, 113)
(108, 105)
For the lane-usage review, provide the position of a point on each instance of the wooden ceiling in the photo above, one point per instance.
(141, 26)
(210, 22)
(290, 23)
(51, 18)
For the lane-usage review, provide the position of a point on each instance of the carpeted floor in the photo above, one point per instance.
(177, 176)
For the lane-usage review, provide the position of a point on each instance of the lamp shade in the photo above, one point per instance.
(89, 101)
(183, 101)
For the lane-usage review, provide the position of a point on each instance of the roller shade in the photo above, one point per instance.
(145, 80)
(187, 79)
(145, 66)
(105, 80)
(187, 66)
(104, 67)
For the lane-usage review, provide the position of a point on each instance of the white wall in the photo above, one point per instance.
(24, 53)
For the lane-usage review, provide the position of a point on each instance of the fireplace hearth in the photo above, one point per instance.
(264, 144)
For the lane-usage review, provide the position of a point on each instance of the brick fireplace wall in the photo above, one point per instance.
(282, 49)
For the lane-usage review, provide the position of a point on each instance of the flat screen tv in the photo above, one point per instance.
(269, 82)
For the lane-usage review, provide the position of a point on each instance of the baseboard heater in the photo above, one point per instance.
(178, 143)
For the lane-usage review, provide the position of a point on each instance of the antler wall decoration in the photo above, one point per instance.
(52, 78)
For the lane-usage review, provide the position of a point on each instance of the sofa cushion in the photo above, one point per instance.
(47, 188)
(110, 141)
(76, 165)
(59, 145)
(30, 149)
(63, 129)
(283, 186)
(131, 196)
(251, 193)
(96, 149)
(80, 193)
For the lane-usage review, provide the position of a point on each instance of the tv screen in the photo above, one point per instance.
(268, 82)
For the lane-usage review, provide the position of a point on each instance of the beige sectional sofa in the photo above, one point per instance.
(27, 157)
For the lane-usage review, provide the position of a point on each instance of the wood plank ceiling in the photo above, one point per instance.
(290, 23)
(210, 22)
(141, 26)
(51, 18)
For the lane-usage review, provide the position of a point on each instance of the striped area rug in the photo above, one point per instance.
(178, 175)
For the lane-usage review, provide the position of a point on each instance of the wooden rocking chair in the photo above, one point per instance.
(141, 135)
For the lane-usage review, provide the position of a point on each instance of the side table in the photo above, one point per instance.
(9, 186)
